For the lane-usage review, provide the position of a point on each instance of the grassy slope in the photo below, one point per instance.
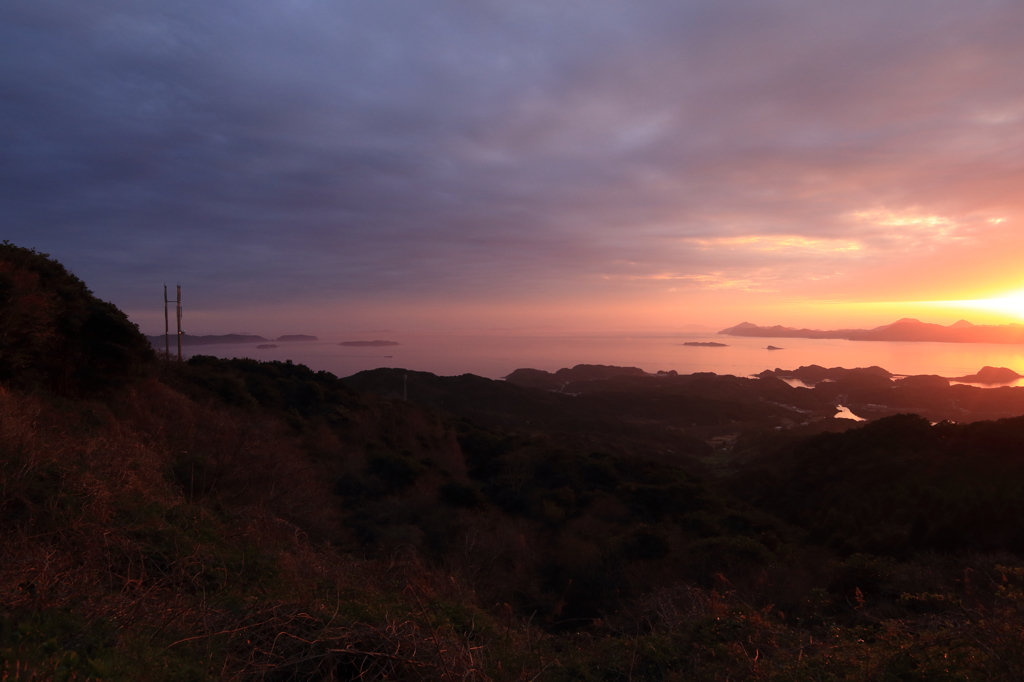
(120, 562)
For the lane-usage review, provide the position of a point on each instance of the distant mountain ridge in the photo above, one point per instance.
(906, 329)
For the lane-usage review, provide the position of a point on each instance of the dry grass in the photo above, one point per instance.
(100, 527)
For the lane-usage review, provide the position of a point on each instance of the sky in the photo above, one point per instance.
(326, 166)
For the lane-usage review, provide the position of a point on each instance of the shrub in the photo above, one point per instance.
(456, 494)
(731, 556)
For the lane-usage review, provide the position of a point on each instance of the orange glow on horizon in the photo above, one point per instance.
(792, 243)
(1011, 305)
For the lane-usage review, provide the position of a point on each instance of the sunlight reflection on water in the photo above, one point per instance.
(844, 413)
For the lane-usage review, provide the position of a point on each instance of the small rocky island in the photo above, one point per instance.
(990, 375)
(708, 344)
(371, 344)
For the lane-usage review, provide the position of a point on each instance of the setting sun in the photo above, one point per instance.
(1011, 305)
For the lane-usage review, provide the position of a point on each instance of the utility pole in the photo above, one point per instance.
(167, 328)
(179, 323)
(167, 324)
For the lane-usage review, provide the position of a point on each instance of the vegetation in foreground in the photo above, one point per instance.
(244, 520)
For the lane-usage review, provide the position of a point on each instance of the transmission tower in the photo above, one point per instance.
(167, 328)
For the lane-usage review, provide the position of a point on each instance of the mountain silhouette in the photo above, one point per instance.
(905, 329)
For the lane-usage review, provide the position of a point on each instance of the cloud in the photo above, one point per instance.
(309, 149)
(909, 229)
(712, 281)
(781, 243)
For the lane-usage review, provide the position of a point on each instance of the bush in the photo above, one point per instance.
(396, 471)
(731, 556)
(456, 494)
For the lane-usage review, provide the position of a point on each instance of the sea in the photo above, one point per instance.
(497, 355)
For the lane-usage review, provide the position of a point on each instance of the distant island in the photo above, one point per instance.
(157, 340)
(907, 329)
(990, 375)
(710, 344)
(867, 392)
(364, 344)
(814, 374)
(538, 378)
(208, 340)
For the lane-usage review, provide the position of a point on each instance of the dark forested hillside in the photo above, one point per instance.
(900, 485)
(672, 418)
(55, 334)
(242, 520)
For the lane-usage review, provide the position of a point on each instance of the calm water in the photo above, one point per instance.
(495, 356)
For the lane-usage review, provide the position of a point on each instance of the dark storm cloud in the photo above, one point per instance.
(286, 149)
